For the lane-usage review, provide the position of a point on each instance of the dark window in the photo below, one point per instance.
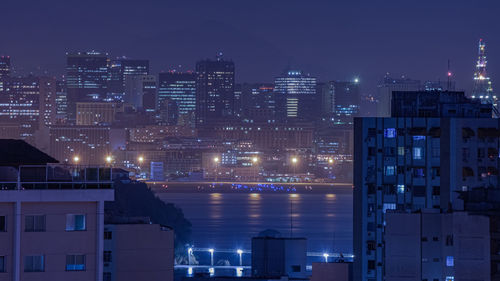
(34, 264)
(2, 264)
(449, 240)
(296, 268)
(371, 264)
(419, 191)
(34, 223)
(3, 224)
(435, 239)
(107, 256)
(108, 235)
(435, 259)
(436, 190)
(106, 276)
(424, 239)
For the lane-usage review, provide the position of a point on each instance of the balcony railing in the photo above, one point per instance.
(57, 177)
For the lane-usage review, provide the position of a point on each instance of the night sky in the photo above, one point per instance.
(333, 40)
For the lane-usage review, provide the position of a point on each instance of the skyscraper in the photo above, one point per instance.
(86, 78)
(385, 89)
(4, 66)
(295, 96)
(181, 88)
(140, 91)
(346, 100)
(214, 90)
(482, 83)
(119, 70)
(435, 145)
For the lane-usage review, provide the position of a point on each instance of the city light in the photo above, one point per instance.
(109, 159)
(255, 159)
(295, 160)
(211, 256)
(325, 255)
(356, 80)
(76, 159)
(216, 159)
(190, 252)
(240, 252)
(140, 159)
(330, 161)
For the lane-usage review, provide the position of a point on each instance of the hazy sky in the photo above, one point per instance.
(333, 40)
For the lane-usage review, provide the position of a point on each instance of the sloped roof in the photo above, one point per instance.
(19, 152)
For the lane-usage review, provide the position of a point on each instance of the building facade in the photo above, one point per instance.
(181, 88)
(214, 90)
(295, 95)
(419, 158)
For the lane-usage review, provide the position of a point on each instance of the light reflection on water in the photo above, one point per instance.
(229, 219)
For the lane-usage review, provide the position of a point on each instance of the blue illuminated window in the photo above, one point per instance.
(416, 138)
(75, 262)
(390, 170)
(417, 153)
(401, 188)
(449, 261)
(390, 133)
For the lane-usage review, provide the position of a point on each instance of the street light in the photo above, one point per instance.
(109, 159)
(325, 255)
(140, 159)
(190, 252)
(330, 161)
(76, 159)
(294, 162)
(240, 252)
(216, 161)
(211, 256)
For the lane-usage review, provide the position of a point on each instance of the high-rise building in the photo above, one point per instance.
(86, 78)
(168, 112)
(482, 83)
(95, 113)
(435, 145)
(257, 102)
(295, 95)
(119, 70)
(4, 66)
(61, 102)
(214, 90)
(28, 102)
(346, 102)
(140, 91)
(181, 88)
(90, 144)
(389, 85)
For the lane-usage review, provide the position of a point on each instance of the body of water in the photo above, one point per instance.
(227, 216)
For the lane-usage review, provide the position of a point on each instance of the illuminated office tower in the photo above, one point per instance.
(86, 78)
(214, 90)
(27, 103)
(295, 95)
(4, 66)
(61, 102)
(482, 83)
(181, 88)
(119, 70)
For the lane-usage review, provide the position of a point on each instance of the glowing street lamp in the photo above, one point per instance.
(216, 161)
(240, 252)
(211, 256)
(325, 255)
(330, 161)
(109, 159)
(76, 159)
(190, 252)
(295, 160)
(140, 159)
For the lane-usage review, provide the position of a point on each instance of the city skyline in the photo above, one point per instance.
(384, 40)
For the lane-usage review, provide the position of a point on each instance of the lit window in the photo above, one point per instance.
(449, 261)
(401, 150)
(390, 133)
(390, 170)
(401, 188)
(75, 262)
(389, 206)
(450, 278)
(417, 153)
(75, 222)
(415, 138)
